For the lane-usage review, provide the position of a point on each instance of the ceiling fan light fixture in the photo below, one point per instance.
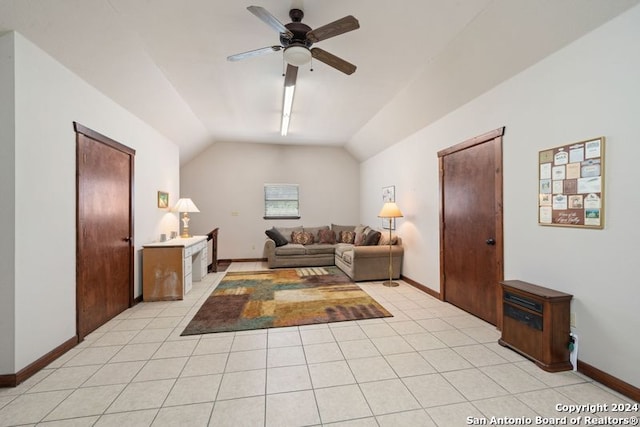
(297, 55)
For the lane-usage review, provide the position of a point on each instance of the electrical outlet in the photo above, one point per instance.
(235, 213)
(573, 320)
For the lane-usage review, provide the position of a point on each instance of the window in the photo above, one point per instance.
(281, 201)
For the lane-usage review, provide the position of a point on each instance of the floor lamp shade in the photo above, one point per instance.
(390, 211)
(185, 206)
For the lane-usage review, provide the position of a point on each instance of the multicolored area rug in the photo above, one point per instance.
(286, 297)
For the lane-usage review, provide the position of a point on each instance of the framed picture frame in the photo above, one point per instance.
(571, 185)
(163, 200)
(389, 195)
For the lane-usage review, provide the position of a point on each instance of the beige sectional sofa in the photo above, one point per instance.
(360, 251)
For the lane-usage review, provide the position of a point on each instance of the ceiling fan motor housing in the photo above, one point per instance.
(298, 29)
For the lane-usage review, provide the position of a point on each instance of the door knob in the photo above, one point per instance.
(126, 239)
(490, 241)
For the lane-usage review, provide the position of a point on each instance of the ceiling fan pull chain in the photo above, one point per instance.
(311, 69)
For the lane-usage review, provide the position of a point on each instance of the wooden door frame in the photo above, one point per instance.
(80, 129)
(497, 135)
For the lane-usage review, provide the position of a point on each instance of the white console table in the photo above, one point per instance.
(169, 268)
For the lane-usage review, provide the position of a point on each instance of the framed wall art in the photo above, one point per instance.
(571, 185)
(163, 200)
(389, 195)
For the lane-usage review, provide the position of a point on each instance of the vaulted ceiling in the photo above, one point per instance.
(165, 61)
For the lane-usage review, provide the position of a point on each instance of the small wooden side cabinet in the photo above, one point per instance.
(169, 268)
(536, 324)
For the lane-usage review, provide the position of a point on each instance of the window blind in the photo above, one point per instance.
(281, 201)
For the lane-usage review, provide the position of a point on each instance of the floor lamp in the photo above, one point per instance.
(390, 210)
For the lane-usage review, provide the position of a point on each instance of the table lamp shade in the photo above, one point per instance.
(185, 205)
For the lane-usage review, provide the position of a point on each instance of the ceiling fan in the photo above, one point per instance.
(297, 38)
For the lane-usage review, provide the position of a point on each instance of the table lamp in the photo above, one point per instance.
(185, 206)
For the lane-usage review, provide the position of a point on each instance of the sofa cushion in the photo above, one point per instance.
(276, 236)
(341, 248)
(317, 249)
(291, 249)
(287, 231)
(302, 237)
(327, 236)
(315, 231)
(347, 237)
(372, 239)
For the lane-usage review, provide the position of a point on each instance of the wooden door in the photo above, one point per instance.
(471, 225)
(104, 259)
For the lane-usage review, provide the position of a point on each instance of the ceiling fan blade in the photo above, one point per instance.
(333, 61)
(252, 53)
(335, 28)
(266, 17)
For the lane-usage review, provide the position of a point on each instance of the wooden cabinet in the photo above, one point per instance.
(536, 324)
(169, 268)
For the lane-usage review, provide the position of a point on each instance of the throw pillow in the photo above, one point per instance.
(286, 231)
(339, 228)
(384, 239)
(347, 236)
(302, 237)
(315, 231)
(372, 239)
(327, 236)
(361, 234)
(277, 237)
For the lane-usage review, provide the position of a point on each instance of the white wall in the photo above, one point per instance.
(48, 99)
(589, 89)
(228, 178)
(7, 214)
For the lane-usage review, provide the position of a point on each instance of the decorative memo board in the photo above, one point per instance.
(571, 185)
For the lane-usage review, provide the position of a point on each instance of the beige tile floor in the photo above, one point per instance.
(429, 365)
